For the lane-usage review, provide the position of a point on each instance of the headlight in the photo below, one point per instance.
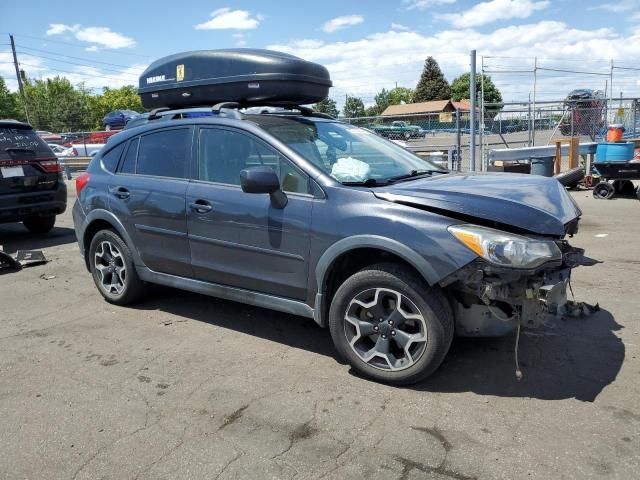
(506, 249)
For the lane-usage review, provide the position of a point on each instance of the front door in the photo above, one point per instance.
(239, 239)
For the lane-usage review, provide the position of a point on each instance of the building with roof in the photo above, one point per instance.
(423, 108)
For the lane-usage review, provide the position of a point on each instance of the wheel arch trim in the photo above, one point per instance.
(422, 265)
(355, 242)
(110, 218)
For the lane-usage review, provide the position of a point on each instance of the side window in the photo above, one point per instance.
(128, 164)
(112, 157)
(164, 153)
(223, 154)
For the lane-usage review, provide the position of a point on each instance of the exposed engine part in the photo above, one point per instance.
(515, 354)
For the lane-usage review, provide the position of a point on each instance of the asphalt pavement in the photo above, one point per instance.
(188, 387)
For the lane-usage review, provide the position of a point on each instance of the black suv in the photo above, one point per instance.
(32, 190)
(308, 215)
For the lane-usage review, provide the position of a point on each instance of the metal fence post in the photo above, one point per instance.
(458, 142)
(472, 94)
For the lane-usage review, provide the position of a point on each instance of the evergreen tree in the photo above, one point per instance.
(432, 84)
(327, 106)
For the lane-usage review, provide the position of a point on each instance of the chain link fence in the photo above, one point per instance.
(445, 136)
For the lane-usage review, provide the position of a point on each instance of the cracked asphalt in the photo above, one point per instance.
(186, 386)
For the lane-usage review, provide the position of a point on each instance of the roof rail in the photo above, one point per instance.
(153, 114)
(230, 110)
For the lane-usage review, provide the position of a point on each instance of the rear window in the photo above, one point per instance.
(164, 153)
(20, 143)
(112, 157)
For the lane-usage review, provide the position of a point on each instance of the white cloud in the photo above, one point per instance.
(92, 48)
(494, 10)
(102, 36)
(227, 19)
(618, 7)
(363, 67)
(32, 65)
(424, 4)
(60, 28)
(339, 23)
(399, 26)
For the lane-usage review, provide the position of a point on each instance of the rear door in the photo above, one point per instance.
(148, 195)
(27, 164)
(240, 239)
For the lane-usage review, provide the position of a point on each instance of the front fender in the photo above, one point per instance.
(423, 266)
(373, 241)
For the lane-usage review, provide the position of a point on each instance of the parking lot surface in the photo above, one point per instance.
(186, 386)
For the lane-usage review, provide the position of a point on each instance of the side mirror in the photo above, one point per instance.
(263, 180)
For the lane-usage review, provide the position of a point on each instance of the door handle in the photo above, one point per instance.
(120, 192)
(201, 206)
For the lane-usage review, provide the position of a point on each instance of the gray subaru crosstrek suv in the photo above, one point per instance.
(307, 215)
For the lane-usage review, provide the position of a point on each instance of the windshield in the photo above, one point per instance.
(347, 153)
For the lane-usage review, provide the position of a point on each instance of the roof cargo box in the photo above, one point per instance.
(242, 75)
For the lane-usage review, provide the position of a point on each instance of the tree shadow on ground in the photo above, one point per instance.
(575, 358)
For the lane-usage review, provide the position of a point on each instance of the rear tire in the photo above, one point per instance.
(112, 268)
(40, 224)
(383, 342)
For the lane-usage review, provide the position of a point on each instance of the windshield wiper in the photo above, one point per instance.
(414, 174)
(369, 182)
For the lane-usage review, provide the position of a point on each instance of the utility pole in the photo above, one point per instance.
(472, 94)
(19, 77)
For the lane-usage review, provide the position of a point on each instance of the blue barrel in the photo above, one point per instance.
(614, 152)
(542, 166)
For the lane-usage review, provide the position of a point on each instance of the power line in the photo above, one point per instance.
(79, 64)
(70, 56)
(87, 75)
(46, 39)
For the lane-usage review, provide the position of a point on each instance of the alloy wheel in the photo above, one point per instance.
(110, 267)
(385, 329)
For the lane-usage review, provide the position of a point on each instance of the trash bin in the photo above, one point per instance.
(542, 166)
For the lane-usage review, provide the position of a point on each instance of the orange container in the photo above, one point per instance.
(614, 133)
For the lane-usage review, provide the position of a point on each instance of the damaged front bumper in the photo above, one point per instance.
(489, 300)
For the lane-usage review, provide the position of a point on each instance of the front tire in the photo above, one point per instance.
(111, 265)
(40, 224)
(390, 325)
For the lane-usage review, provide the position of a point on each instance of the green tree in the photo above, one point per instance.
(401, 94)
(54, 104)
(432, 84)
(353, 107)
(123, 98)
(460, 89)
(9, 105)
(327, 106)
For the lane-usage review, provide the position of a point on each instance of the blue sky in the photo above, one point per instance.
(367, 45)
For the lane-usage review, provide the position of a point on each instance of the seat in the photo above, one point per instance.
(229, 159)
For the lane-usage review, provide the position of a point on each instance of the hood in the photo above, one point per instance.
(531, 203)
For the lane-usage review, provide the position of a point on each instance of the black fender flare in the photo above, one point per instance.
(325, 262)
(107, 216)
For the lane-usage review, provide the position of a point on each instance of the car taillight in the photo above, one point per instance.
(50, 166)
(81, 182)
